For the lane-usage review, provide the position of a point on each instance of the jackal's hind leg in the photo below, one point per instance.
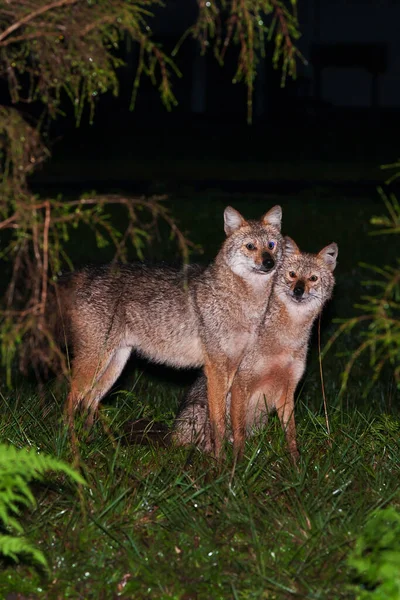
(90, 383)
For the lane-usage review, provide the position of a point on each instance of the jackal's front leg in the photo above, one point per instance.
(285, 410)
(238, 415)
(219, 380)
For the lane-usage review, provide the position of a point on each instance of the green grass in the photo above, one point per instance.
(160, 522)
(171, 524)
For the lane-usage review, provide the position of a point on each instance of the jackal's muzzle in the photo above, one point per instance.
(268, 262)
(298, 290)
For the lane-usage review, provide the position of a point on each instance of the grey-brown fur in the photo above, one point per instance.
(192, 424)
(181, 318)
(272, 367)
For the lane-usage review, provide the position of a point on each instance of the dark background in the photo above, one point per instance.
(336, 123)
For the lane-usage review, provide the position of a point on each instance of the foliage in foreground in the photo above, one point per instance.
(376, 556)
(18, 467)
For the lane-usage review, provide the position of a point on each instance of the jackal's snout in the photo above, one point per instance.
(268, 262)
(299, 289)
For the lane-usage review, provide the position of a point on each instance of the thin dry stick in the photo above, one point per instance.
(34, 14)
(29, 36)
(233, 470)
(322, 382)
(9, 222)
(45, 257)
(284, 27)
(38, 258)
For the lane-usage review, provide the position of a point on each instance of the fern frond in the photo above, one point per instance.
(18, 467)
(12, 547)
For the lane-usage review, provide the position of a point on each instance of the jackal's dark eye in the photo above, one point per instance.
(250, 246)
(292, 274)
(313, 278)
(271, 245)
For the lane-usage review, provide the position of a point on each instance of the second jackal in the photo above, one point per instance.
(271, 369)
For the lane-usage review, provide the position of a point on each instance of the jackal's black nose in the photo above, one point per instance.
(298, 290)
(268, 262)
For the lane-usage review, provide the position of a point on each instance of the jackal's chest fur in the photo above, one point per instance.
(272, 375)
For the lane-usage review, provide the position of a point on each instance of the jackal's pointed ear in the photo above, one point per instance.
(273, 217)
(290, 246)
(232, 220)
(329, 255)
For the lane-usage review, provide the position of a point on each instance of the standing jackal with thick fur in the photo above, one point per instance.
(272, 367)
(183, 318)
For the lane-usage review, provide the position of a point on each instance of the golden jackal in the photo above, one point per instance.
(181, 318)
(272, 367)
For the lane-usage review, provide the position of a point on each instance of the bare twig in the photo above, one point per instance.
(10, 222)
(28, 36)
(283, 25)
(45, 257)
(328, 429)
(95, 24)
(17, 24)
